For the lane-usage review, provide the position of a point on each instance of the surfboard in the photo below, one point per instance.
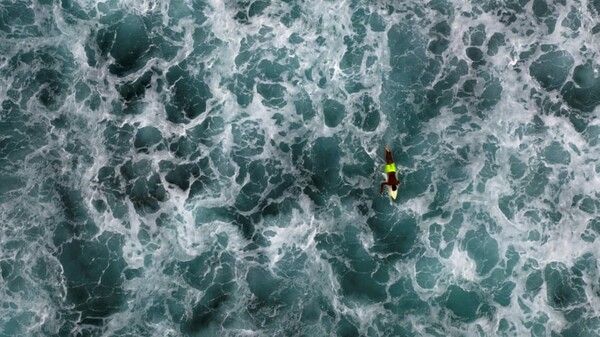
(391, 192)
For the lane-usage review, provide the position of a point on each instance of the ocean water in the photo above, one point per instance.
(212, 168)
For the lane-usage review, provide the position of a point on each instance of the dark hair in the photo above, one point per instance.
(393, 187)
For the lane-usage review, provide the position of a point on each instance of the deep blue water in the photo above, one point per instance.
(212, 168)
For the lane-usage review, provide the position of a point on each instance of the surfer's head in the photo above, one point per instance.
(393, 187)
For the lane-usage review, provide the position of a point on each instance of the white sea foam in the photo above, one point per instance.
(188, 234)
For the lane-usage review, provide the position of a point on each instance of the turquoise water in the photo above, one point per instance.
(212, 168)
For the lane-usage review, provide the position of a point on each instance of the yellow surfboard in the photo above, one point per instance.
(391, 192)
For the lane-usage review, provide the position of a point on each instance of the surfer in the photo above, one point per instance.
(390, 170)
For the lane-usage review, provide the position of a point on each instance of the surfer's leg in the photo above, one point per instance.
(388, 156)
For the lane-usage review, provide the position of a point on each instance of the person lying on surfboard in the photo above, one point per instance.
(390, 171)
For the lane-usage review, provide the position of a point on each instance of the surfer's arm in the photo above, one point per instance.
(383, 184)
